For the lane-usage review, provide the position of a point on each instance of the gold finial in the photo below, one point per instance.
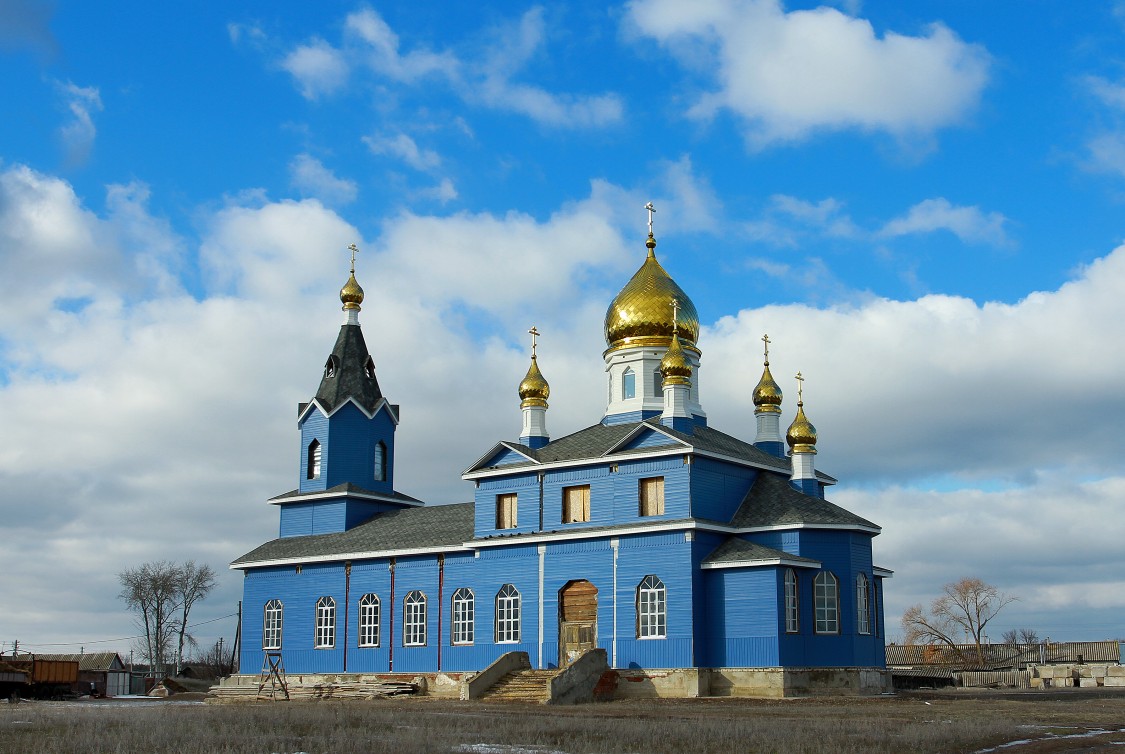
(802, 434)
(534, 390)
(534, 334)
(767, 394)
(351, 295)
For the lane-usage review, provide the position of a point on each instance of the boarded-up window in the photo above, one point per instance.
(578, 601)
(652, 496)
(576, 504)
(506, 511)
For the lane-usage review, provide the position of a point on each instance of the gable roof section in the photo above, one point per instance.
(89, 661)
(350, 354)
(772, 502)
(736, 552)
(659, 437)
(428, 528)
(347, 489)
(503, 448)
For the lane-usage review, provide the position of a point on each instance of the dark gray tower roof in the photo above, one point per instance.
(349, 373)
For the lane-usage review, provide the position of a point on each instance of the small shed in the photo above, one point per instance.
(99, 673)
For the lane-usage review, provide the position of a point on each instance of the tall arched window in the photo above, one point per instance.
(863, 603)
(414, 620)
(325, 637)
(792, 603)
(826, 600)
(464, 609)
(652, 610)
(312, 467)
(369, 620)
(271, 625)
(380, 462)
(629, 384)
(507, 615)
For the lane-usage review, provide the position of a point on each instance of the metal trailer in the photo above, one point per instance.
(28, 676)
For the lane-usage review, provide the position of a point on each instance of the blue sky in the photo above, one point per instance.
(921, 203)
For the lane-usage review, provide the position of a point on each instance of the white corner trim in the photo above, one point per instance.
(761, 563)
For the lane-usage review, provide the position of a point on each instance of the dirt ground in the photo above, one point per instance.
(1020, 722)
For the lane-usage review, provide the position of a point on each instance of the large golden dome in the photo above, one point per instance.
(641, 314)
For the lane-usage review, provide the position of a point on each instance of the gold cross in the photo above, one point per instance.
(650, 209)
(800, 387)
(353, 248)
(766, 340)
(534, 334)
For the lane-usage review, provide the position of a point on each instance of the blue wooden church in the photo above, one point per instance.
(674, 546)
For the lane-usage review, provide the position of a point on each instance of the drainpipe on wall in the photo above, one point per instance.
(391, 626)
(440, 603)
(541, 501)
(347, 601)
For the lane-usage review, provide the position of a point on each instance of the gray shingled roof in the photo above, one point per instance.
(89, 661)
(772, 501)
(736, 550)
(344, 489)
(349, 380)
(406, 529)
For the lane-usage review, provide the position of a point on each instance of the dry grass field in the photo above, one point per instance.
(913, 722)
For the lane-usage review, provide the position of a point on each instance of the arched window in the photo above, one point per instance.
(330, 366)
(325, 637)
(380, 462)
(414, 619)
(792, 603)
(863, 603)
(271, 625)
(312, 467)
(507, 615)
(826, 600)
(464, 609)
(369, 368)
(369, 620)
(657, 384)
(629, 384)
(652, 610)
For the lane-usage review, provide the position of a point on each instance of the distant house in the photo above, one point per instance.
(99, 673)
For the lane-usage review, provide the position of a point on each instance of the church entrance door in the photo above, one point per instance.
(578, 620)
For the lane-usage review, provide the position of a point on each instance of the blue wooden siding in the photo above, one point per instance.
(526, 488)
(627, 417)
(313, 427)
(326, 516)
(717, 488)
(649, 438)
(740, 628)
(601, 496)
(668, 556)
(626, 488)
(505, 457)
(347, 444)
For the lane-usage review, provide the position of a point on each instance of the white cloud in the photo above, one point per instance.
(404, 148)
(384, 56)
(319, 68)
(311, 178)
(969, 224)
(1107, 153)
(789, 74)
(78, 134)
(444, 192)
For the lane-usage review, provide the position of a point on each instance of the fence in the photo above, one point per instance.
(1001, 656)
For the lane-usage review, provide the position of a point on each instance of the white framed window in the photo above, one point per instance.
(464, 615)
(651, 496)
(629, 384)
(414, 619)
(652, 609)
(792, 603)
(271, 625)
(826, 599)
(863, 603)
(657, 384)
(369, 620)
(380, 462)
(325, 637)
(312, 467)
(507, 615)
(576, 504)
(507, 511)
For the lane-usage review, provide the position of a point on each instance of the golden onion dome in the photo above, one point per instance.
(641, 314)
(802, 434)
(534, 389)
(674, 367)
(351, 295)
(767, 394)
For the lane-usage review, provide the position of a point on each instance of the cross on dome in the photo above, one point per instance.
(651, 209)
(534, 334)
(354, 250)
(800, 388)
(766, 340)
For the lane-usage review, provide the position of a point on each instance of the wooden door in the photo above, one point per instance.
(578, 620)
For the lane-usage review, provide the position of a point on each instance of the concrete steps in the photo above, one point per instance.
(530, 686)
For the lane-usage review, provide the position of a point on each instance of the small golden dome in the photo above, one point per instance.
(351, 295)
(802, 434)
(767, 394)
(674, 367)
(641, 314)
(534, 389)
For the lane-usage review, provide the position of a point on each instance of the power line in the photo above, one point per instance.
(123, 638)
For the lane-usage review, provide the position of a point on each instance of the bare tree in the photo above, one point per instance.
(192, 583)
(1021, 636)
(149, 590)
(964, 609)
